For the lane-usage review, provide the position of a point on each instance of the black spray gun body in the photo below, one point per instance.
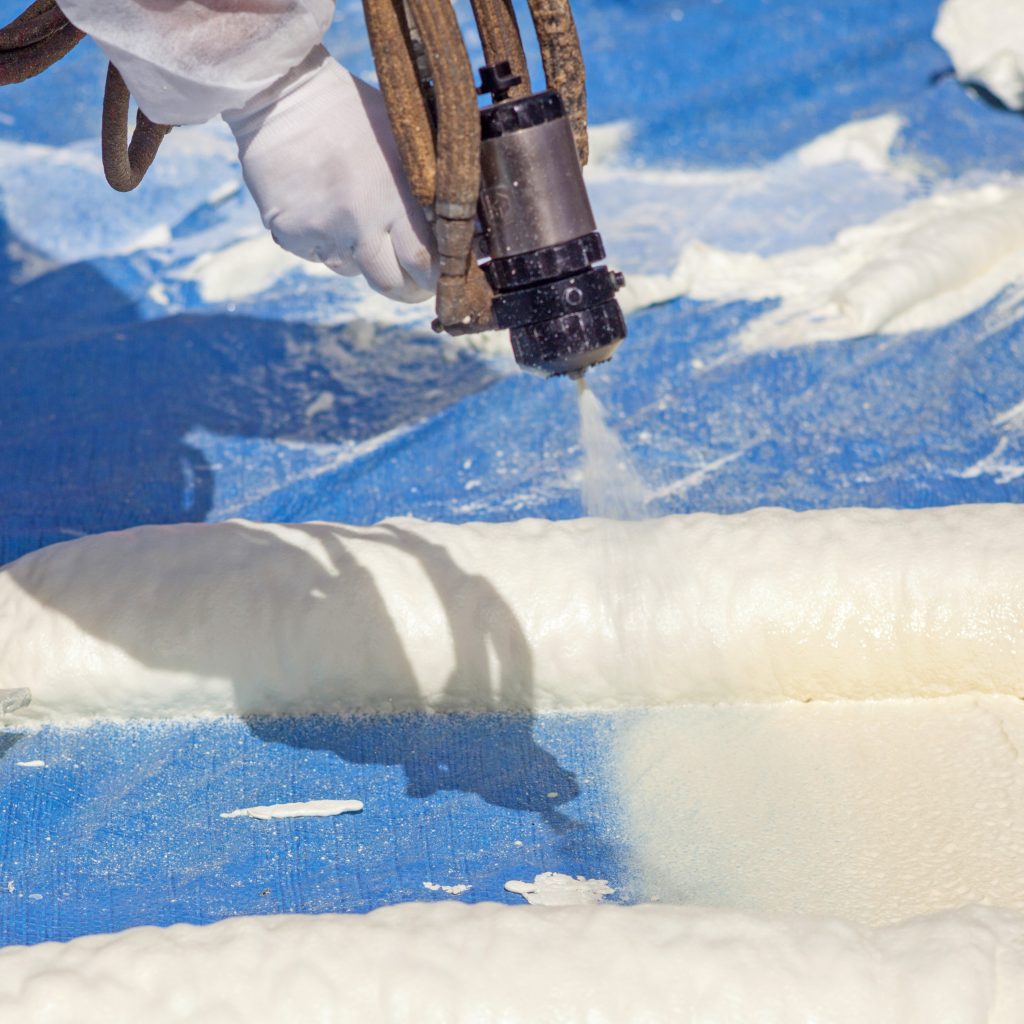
(503, 184)
(540, 234)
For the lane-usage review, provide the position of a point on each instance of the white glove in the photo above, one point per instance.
(319, 157)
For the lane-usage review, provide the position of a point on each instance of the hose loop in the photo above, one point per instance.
(125, 161)
(34, 41)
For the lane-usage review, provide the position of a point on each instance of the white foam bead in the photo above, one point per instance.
(243, 617)
(449, 962)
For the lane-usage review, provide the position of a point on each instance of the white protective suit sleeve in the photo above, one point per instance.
(185, 61)
(315, 143)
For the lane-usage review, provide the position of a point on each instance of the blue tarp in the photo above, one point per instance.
(130, 395)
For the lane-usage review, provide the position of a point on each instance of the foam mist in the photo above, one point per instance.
(611, 486)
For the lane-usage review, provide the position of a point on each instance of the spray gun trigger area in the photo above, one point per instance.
(497, 79)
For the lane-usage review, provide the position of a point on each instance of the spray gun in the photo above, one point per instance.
(503, 184)
(541, 237)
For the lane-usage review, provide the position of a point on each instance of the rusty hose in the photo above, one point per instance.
(35, 40)
(430, 90)
(563, 64)
(463, 295)
(392, 45)
(125, 162)
(499, 35)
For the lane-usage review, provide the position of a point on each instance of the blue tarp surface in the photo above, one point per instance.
(130, 393)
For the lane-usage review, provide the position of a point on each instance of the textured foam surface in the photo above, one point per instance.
(530, 964)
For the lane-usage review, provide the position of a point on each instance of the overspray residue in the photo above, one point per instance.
(611, 486)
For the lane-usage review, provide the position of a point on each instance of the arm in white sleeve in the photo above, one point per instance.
(315, 143)
(185, 61)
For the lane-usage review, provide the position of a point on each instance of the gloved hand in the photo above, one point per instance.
(319, 157)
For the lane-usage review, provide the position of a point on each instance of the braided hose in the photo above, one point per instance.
(391, 43)
(125, 162)
(463, 295)
(34, 41)
(499, 34)
(563, 64)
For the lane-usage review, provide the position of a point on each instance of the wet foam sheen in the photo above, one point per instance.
(243, 617)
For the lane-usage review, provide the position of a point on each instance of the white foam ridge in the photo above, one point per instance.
(924, 265)
(528, 964)
(242, 617)
(985, 40)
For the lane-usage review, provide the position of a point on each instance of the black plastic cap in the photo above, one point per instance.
(497, 79)
(515, 115)
(528, 268)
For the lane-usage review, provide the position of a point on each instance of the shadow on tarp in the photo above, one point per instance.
(8, 740)
(97, 405)
(494, 757)
(975, 87)
(492, 668)
(485, 763)
(133, 810)
(123, 826)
